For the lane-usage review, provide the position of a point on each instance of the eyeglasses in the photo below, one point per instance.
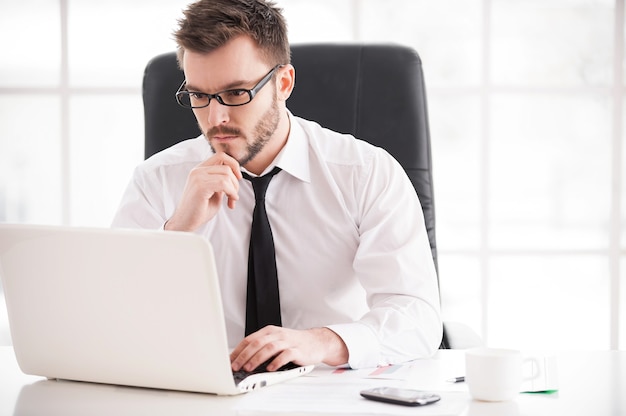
(231, 98)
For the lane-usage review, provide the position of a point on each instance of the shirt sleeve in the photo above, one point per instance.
(395, 267)
(140, 206)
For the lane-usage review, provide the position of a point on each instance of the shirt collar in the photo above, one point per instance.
(294, 156)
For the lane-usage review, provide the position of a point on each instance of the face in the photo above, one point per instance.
(231, 139)
(253, 133)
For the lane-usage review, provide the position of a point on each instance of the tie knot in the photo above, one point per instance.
(260, 183)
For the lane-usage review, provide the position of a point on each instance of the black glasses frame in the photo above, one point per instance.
(251, 92)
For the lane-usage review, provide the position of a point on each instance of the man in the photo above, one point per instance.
(356, 279)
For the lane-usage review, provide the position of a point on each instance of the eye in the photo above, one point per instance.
(197, 95)
(235, 93)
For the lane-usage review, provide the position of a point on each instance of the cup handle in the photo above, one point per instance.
(535, 366)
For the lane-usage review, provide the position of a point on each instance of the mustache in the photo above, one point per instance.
(222, 130)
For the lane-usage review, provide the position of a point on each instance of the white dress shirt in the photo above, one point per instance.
(352, 252)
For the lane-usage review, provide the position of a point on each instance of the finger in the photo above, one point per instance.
(285, 357)
(217, 197)
(221, 178)
(222, 158)
(243, 352)
(232, 193)
(256, 349)
(235, 361)
(255, 354)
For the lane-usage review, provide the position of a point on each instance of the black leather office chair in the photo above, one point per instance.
(374, 92)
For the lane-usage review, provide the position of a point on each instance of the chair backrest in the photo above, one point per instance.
(374, 92)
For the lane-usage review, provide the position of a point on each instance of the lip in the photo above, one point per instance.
(224, 138)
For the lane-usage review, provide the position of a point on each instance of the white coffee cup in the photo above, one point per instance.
(494, 374)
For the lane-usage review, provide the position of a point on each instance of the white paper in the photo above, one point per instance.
(339, 399)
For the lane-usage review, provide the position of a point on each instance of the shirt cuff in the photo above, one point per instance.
(362, 343)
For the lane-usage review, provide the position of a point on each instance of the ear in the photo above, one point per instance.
(285, 81)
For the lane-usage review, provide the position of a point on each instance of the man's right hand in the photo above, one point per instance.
(206, 185)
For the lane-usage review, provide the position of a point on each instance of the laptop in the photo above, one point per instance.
(126, 307)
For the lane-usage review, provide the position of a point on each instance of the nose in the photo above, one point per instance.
(216, 113)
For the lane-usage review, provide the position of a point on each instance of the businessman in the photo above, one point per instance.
(319, 237)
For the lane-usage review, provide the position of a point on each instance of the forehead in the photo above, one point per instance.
(237, 62)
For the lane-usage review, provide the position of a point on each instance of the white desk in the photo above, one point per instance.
(590, 383)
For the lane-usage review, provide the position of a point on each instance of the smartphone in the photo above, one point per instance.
(405, 397)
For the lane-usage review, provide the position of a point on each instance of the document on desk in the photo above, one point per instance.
(335, 391)
(300, 398)
(389, 372)
(418, 374)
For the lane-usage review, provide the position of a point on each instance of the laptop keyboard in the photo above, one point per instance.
(238, 376)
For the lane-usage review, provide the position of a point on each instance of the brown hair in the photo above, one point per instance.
(209, 24)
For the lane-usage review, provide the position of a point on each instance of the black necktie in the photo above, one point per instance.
(263, 301)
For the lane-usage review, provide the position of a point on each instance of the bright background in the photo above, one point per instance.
(526, 102)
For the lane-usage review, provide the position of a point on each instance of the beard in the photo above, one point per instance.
(261, 135)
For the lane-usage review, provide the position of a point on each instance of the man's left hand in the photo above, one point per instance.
(302, 347)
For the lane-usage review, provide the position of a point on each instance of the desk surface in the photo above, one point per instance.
(589, 383)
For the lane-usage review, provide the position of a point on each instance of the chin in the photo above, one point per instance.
(223, 148)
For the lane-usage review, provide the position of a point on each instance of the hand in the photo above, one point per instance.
(206, 185)
(302, 347)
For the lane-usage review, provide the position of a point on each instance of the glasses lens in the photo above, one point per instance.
(235, 97)
(192, 100)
